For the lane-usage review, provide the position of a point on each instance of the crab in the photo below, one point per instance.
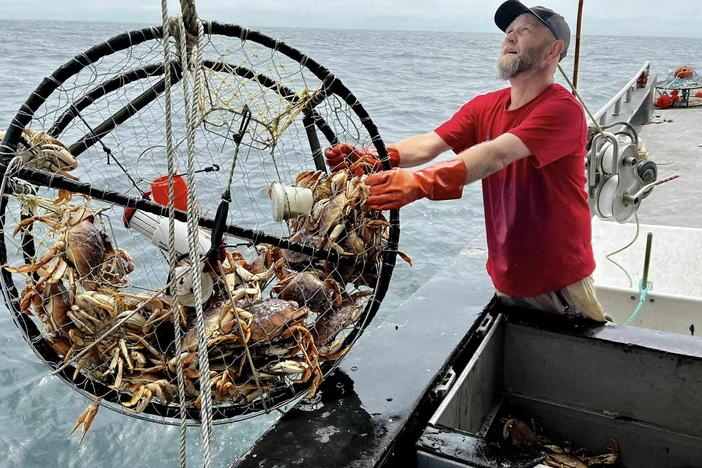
(564, 460)
(120, 356)
(272, 316)
(307, 288)
(50, 301)
(80, 251)
(234, 382)
(145, 388)
(565, 457)
(115, 268)
(329, 215)
(45, 152)
(119, 306)
(340, 220)
(519, 433)
(295, 260)
(240, 278)
(316, 181)
(335, 198)
(222, 324)
(52, 304)
(328, 326)
(303, 360)
(128, 355)
(227, 389)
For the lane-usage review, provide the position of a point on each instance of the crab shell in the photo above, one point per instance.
(58, 304)
(86, 248)
(306, 288)
(332, 322)
(272, 316)
(518, 433)
(296, 260)
(219, 320)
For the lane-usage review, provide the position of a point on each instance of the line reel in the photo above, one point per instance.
(617, 178)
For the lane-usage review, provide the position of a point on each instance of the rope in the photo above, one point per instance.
(172, 255)
(191, 22)
(643, 292)
(190, 107)
(622, 249)
(108, 152)
(582, 101)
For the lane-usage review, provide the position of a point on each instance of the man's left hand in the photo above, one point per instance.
(398, 187)
(392, 189)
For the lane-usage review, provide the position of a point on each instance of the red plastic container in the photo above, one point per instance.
(159, 192)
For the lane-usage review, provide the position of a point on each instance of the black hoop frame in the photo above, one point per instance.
(8, 147)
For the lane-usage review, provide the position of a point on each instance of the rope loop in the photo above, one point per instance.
(190, 20)
(643, 293)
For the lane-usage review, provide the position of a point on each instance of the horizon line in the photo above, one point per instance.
(333, 29)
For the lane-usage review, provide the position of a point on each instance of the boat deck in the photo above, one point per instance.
(673, 140)
(671, 214)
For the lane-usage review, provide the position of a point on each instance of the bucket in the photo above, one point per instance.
(290, 202)
(159, 192)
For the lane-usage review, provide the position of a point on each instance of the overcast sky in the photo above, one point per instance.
(604, 17)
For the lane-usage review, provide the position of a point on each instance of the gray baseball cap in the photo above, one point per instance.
(509, 10)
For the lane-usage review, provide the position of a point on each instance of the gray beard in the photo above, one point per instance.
(509, 67)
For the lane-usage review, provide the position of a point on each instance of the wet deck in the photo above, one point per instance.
(672, 215)
(674, 141)
(373, 402)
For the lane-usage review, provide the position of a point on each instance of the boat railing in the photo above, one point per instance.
(628, 100)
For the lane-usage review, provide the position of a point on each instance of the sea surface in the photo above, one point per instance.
(408, 81)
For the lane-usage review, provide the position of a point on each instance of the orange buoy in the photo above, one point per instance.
(664, 101)
(674, 95)
(698, 94)
(684, 72)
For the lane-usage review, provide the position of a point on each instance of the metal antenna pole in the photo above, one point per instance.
(576, 62)
(647, 258)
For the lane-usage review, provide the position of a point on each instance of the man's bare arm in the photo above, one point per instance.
(419, 149)
(489, 157)
(443, 180)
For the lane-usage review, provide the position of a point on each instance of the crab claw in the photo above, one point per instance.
(86, 419)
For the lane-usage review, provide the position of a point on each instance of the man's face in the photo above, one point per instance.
(523, 47)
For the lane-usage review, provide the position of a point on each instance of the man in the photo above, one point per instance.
(527, 145)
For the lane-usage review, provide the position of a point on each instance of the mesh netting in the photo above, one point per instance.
(91, 292)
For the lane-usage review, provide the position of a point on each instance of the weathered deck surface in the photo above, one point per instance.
(674, 141)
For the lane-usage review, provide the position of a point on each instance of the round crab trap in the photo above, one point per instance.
(171, 237)
(682, 88)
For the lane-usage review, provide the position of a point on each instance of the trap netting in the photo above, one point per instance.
(84, 234)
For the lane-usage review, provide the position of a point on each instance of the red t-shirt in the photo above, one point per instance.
(537, 216)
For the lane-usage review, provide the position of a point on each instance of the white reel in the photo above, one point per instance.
(617, 179)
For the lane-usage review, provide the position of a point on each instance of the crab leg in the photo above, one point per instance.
(86, 419)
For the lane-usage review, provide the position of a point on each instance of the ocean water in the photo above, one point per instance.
(408, 81)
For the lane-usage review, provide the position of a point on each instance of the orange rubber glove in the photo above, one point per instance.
(359, 160)
(395, 189)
